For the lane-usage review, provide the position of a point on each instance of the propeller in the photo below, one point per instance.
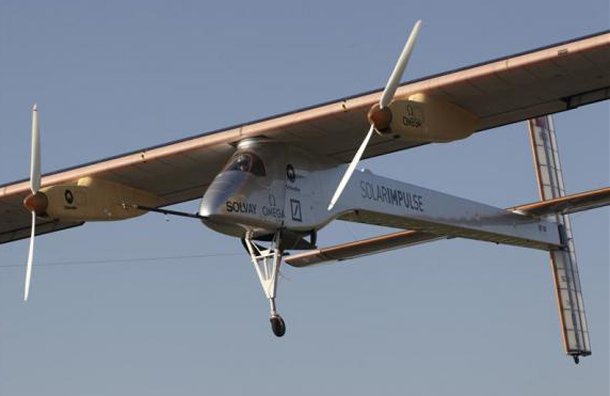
(380, 115)
(36, 202)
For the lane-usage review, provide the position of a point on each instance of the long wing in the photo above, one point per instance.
(502, 91)
(568, 204)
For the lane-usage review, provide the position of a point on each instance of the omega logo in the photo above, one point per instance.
(410, 119)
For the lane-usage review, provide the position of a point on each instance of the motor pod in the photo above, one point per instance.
(37, 203)
(380, 119)
(426, 118)
(92, 199)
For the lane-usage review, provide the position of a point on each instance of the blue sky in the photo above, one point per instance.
(454, 317)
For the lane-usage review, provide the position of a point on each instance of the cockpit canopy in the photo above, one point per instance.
(246, 161)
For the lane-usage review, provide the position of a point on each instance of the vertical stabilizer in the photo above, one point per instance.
(574, 330)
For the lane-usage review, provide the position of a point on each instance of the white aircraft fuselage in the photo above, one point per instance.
(268, 186)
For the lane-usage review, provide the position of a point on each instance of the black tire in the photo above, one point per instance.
(278, 326)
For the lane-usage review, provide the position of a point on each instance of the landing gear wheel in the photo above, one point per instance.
(277, 325)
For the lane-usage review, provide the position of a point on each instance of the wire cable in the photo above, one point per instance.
(124, 260)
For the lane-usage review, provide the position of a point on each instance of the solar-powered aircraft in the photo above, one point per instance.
(276, 182)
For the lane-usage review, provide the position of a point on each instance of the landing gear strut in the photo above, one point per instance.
(267, 264)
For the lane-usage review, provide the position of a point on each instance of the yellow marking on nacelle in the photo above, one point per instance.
(425, 118)
(92, 199)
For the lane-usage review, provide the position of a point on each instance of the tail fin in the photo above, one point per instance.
(574, 330)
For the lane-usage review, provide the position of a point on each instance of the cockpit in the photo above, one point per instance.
(247, 196)
(246, 161)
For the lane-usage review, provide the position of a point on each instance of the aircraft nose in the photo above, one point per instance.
(225, 187)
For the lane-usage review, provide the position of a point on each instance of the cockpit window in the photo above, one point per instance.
(248, 162)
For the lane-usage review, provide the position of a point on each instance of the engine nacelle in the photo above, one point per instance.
(428, 119)
(93, 199)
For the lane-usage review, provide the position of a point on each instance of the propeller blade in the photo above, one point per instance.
(34, 186)
(28, 271)
(350, 168)
(399, 69)
(386, 98)
(35, 164)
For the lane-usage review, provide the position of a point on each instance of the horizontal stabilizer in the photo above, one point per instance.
(361, 248)
(568, 204)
